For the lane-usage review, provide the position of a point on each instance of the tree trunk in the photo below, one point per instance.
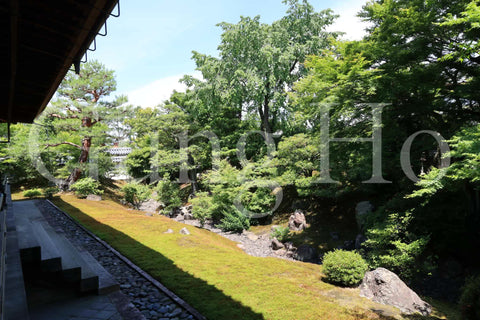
(77, 172)
(85, 151)
(264, 112)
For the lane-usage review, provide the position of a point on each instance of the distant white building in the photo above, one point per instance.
(118, 155)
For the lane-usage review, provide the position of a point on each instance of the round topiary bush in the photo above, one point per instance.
(345, 268)
(32, 193)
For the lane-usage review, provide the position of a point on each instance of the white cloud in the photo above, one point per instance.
(348, 22)
(156, 92)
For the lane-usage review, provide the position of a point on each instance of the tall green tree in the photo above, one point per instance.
(257, 65)
(76, 120)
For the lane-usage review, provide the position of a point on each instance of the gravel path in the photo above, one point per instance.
(148, 299)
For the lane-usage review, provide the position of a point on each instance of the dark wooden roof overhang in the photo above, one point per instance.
(40, 41)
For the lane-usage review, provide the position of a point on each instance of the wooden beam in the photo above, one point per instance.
(94, 22)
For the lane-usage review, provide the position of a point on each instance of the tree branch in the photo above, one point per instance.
(55, 115)
(65, 142)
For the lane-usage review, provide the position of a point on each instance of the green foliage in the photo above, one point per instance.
(470, 299)
(138, 162)
(49, 192)
(234, 220)
(202, 207)
(32, 193)
(345, 268)
(281, 233)
(136, 193)
(168, 193)
(393, 246)
(84, 187)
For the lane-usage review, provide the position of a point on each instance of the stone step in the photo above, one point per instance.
(57, 254)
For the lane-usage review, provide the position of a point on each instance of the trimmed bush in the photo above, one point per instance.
(86, 186)
(345, 268)
(234, 221)
(470, 299)
(32, 193)
(169, 194)
(135, 193)
(49, 192)
(281, 233)
(202, 207)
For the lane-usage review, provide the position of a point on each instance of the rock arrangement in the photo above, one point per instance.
(384, 286)
(297, 221)
(148, 299)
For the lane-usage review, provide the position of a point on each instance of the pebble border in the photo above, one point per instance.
(174, 314)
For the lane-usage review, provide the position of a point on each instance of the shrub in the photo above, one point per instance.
(168, 193)
(135, 193)
(470, 299)
(281, 233)
(392, 246)
(86, 186)
(344, 267)
(49, 192)
(234, 220)
(202, 207)
(32, 193)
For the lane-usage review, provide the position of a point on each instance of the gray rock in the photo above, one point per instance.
(297, 221)
(289, 246)
(276, 245)
(186, 211)
(184, 231)
(359, 240)
(151, 206)
(384, 286)
(94, 197)
(362, 210)
(169, 231)
(176, 312)
(306, 253)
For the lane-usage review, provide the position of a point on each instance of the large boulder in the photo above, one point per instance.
(384, 286)
(306, 253)
(362, 210)
(297, 221)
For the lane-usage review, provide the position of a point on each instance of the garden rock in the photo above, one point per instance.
(281, 252)
(186, 211)
(305, 253)
(94, 197)
(384, 286)
(276, 245)
(297, 221)
(362, 210)
(150, 205)
(359, 240)
(184, 231)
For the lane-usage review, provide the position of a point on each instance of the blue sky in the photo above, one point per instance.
(150, 45)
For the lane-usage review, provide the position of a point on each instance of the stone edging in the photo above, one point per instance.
(157, 284)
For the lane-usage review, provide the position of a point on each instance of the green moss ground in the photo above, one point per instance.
(217, 278)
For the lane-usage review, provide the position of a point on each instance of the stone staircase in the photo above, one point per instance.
(47, 255)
